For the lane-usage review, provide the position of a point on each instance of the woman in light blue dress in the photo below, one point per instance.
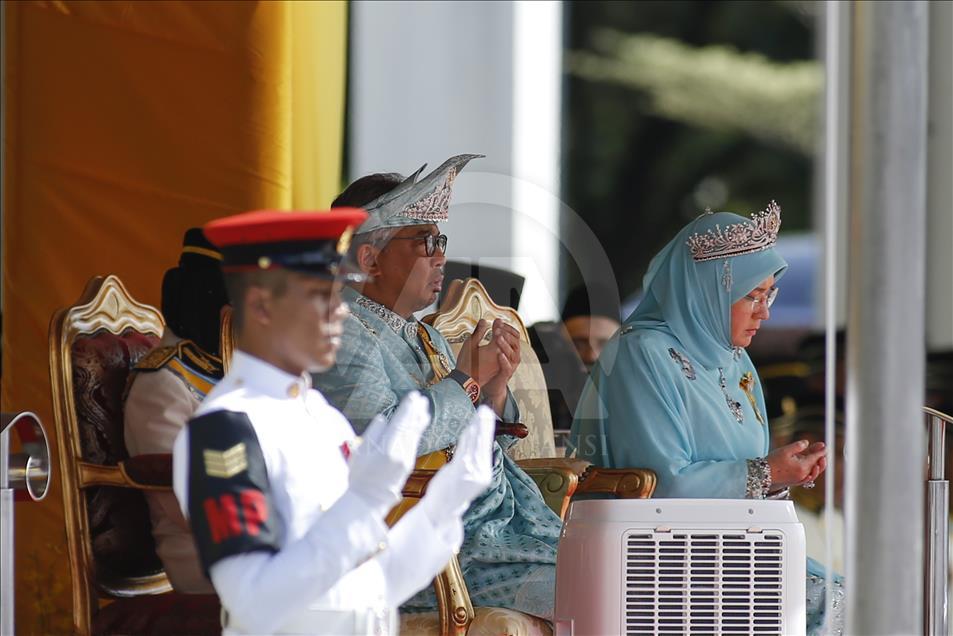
(675, 391)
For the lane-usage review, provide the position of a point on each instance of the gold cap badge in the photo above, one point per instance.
(344, 243)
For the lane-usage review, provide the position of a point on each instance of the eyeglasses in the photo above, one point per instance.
(767, 299)
(431, 242)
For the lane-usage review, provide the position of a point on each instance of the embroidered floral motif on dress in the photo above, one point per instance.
(733, 405)
(684, 362)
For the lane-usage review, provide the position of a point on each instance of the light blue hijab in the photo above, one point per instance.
(692, 300)
(641, 408)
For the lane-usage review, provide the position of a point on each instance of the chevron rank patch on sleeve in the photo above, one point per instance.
(230, 501)
(225, 464)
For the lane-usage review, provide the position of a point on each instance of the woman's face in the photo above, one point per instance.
(747, 313)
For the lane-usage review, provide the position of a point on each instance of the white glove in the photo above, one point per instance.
(468, 474)
(380, 465)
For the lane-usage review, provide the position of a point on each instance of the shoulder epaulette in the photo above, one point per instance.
(199, 370)
(199, 359)
(156, 358)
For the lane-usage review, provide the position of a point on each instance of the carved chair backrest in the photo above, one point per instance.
(226, 337)
(466, 302)
(93, 346)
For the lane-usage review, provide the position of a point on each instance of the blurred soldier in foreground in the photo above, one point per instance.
(287, 505)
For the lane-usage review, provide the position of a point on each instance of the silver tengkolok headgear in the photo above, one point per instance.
(760, 233)
(414, 202)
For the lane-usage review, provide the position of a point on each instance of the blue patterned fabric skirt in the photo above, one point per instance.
(508, 555)
(817, 604)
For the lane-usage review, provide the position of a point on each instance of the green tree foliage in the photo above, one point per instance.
(675, 106)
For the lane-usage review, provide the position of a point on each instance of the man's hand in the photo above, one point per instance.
(507, 341)
(380, 465)
(480, 363)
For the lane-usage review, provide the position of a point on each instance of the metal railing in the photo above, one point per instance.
(937, 526)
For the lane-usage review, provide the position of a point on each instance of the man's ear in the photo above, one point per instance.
(367, 260)
(258, 305)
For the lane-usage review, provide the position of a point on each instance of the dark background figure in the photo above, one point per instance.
(591, 317)
(568, 349)
(193, 293)
(564, 372)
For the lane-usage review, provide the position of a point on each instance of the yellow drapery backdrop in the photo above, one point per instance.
(126, 123)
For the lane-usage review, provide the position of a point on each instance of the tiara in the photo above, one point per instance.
(738, 238)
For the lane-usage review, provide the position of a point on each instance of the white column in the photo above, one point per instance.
(886, 441)
(432, 79)
(940, 180)
(833, 178)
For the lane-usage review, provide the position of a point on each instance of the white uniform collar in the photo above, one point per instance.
(257, 374)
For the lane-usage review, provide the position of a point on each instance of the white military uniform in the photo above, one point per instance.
(288, 547)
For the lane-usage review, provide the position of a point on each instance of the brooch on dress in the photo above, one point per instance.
(733, 405)
(684, 362)
(747, 385)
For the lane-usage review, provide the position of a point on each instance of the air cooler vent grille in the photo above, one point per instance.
(703, 582)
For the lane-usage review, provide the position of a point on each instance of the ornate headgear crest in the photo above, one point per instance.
(413, 201)
(760, 233)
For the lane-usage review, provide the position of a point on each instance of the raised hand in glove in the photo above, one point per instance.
(380, 465)
(468, 474)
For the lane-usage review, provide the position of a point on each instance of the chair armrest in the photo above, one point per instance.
(578, 466)
(453, 600)
(624, 483)
(149, 470)
(454, 607)
(557, 479)
(515, 429)
(153, 474)
(551, 474)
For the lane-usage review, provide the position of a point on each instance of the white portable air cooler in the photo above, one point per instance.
(680, 566)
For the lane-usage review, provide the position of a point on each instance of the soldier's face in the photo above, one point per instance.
(308, 321)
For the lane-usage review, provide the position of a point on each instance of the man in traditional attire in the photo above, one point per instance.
(287, 506)
(509, 552)
(166, 387)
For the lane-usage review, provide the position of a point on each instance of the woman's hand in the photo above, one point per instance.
(796, 464)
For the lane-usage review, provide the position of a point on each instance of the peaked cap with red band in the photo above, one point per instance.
(311, 242)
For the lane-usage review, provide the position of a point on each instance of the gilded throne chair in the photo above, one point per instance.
(118, 583)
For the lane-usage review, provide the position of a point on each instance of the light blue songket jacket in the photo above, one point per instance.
(672, 394)
(509, 552)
